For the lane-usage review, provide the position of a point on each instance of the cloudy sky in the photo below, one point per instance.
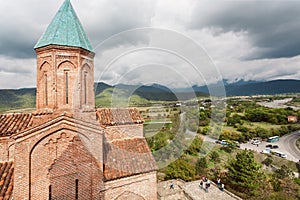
(185, 42)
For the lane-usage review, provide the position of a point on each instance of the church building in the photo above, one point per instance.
(67, 149)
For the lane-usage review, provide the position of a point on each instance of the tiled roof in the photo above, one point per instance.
(118, 116)
(6, 180)
(65, 29)
(14, 122)
(127, 157)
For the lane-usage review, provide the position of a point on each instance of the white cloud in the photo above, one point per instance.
(232, 34)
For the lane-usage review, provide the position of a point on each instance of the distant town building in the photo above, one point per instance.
(292, 119)
(67, 149)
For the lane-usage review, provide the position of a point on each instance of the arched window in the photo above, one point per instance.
(85, 84)
(44, 81)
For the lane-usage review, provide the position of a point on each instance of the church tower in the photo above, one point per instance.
(65, 65)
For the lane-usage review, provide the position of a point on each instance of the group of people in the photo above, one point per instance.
(220, 185)
(205, 184)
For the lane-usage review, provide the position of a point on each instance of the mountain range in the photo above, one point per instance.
(248, 88)
(25, 98)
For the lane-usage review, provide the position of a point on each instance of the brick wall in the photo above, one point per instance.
(65, 78)
(58, 154)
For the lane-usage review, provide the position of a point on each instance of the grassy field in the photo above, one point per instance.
(262, 125)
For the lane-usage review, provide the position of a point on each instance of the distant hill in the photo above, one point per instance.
(153, 92)
(244, 88)
(25, 98)
(17, 99)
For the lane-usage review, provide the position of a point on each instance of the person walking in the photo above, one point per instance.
(207, 185)
(201, 184)
(219, 182)
(172, 185)
(222, 187)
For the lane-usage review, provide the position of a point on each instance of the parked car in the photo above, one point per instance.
(266, 151)
(256, 142)
(224, 142)
(269, 146)
(275, 147)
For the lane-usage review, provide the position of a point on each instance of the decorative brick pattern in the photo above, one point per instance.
(37, 149)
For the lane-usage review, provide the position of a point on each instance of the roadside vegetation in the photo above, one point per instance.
(248, 174)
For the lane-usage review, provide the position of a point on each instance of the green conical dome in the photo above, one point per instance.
(65, 29)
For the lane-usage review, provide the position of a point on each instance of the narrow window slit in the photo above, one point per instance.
(76, 189)
(67, 87)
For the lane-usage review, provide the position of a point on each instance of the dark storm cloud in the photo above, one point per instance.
(272, 26)
(17, 48)
(23, 22)
(118, 16)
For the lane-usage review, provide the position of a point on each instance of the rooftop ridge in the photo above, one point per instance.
(65, 29)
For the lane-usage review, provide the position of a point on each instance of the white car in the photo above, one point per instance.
(266, 151)
(256, 142)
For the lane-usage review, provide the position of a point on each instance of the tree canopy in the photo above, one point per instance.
(244, 174)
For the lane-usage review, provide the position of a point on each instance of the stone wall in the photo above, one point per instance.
(4, 149)
(124, 131)
(139, 187)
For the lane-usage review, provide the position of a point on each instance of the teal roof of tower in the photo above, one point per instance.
(65, 29)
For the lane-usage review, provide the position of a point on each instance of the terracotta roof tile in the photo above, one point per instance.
(127, 157)
(6, 180)
(14, 122)
(118, 116)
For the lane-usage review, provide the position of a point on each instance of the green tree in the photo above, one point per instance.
(244, 174)
(201, 166)
(284, 172)
(195, 146)
(206, 130)
(235, 119)
(268, 161)
(261, 132)
(181, 169)
(215, 157)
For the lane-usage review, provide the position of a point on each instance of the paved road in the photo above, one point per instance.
(287, 145)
